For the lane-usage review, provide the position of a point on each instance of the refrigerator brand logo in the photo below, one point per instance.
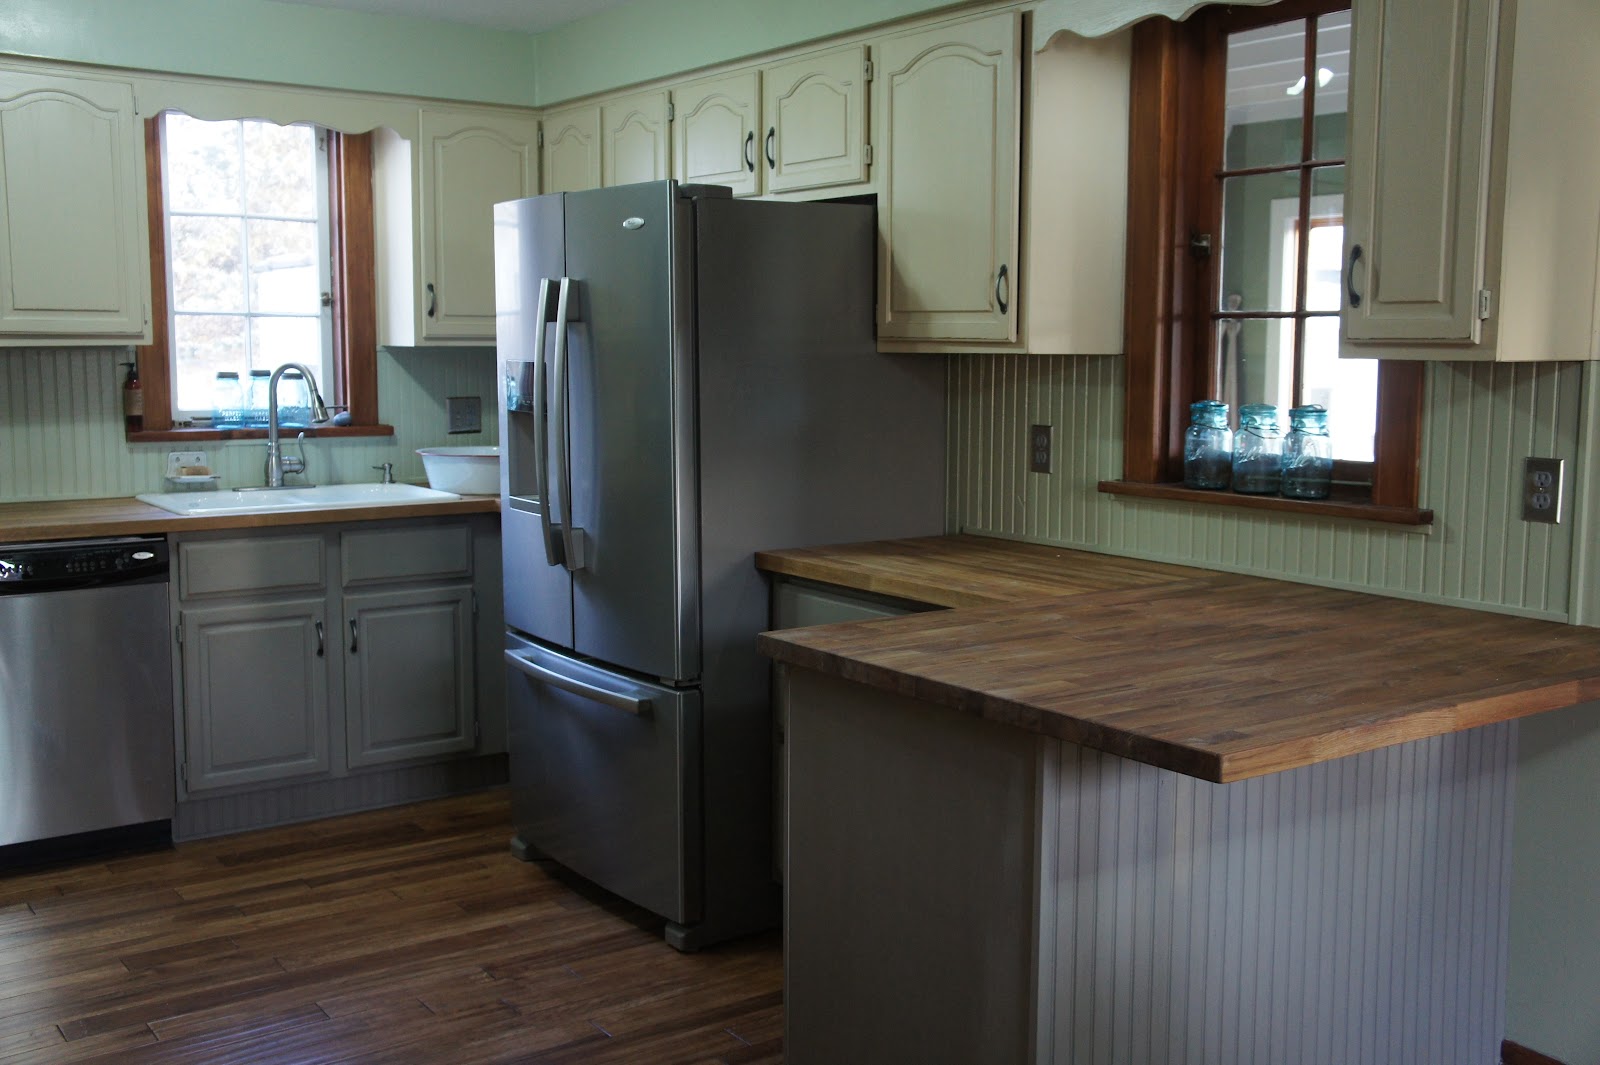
(632, 223)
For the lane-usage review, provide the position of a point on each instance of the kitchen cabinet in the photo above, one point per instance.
(571, 149)
(74, 230)
(714, 132)
(1472, 214)
(314, 653)
(815, 110)
(948, 129)
(437, 272)
(634, 139)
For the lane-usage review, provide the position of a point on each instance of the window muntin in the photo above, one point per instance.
(247, 213)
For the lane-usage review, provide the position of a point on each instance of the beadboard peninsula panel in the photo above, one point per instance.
(1480, 422)
(61, 426)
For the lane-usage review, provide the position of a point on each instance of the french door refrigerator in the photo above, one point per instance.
(685, 379)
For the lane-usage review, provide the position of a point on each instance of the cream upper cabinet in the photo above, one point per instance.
(572, 149)
(1472, 215)
(74, 230)
(714, 132)
(948, 130)
(815, 112)
(634, 138)
(468, 163)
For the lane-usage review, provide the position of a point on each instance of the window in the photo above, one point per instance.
(261, 240)
(248, 252)
(1236, 246)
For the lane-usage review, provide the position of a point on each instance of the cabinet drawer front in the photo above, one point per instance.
(431, 551)
(270, 564)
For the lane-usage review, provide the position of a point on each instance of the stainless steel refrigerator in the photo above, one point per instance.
(685, 379)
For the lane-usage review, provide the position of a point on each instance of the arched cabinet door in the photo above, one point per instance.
(814, 110)
(469, 163)
(715, 135)
(74, 236)
(572, 150)
(948, 130)
(634, 139)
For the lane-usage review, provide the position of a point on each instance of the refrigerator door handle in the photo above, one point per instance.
(593, 692)
(572, 541)
(541, 429)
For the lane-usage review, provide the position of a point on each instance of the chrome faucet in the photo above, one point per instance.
(278, 463)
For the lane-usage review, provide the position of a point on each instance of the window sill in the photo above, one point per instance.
(1345, 503)
(153, 436)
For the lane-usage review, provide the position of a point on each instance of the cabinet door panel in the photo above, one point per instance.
(815, 109)
(73, 238)
(572, 150)
(714, 136)
(634, 130)
(255, 692)
(470, 164)
(1416, 205)
(950, 136)
(408, 674)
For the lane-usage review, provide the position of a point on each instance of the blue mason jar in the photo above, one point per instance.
(1258, 451)
(1308, 454)
(1207, 446)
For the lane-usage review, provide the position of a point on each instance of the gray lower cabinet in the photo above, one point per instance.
(408, 689)
(255, 692)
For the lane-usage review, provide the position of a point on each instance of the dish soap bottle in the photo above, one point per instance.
(132, 399)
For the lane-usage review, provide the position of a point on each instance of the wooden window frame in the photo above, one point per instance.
(355, 310)
(1176, 78)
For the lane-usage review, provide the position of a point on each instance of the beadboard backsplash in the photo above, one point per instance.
(1481, 421)
(61, 425)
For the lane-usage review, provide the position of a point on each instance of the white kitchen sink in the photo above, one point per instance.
(320, 497)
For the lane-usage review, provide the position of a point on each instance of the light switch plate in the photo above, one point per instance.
(465, 414)
(1541, 490)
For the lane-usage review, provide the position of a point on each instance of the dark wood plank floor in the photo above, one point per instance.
(406, 935)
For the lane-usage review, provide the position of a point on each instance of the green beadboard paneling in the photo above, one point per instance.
(61, 425)
(1481, 421)
(263, 40)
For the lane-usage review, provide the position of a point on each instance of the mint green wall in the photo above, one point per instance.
(654, 38)
(258, 40)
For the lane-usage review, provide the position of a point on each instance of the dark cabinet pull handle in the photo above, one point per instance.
(772, 135)
(1350, 283)
(321, 643)
(433, 300)
(750, 151)
(352, 635)
(999, 280)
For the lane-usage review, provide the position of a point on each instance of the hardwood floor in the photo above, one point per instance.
(405, 935)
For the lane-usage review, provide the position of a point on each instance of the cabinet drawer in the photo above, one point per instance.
(434, 551)
(267, 564)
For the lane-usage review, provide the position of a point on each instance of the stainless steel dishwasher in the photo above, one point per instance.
(85, 688)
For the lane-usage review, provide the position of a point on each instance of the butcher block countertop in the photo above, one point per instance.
(1217, 676)
(67, 519)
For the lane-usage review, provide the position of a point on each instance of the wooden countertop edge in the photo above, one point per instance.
(856, 579)
(129, 517)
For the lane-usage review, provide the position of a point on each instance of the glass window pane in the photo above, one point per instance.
(202, 345)
(1325, 248)
(275, 341)
(1330, 103)
(283, 267)
(203, 170)
(280, 170)
(207, 263)
(1347, 387)
(1266, 77)
(1260, 253)
(1255, 360)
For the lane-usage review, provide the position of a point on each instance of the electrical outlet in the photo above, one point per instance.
(464, 413)
(178, 460)
(1541, 490)
(1039, 449)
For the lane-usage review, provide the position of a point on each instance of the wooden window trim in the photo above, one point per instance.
(1167, 308)
(354, 296)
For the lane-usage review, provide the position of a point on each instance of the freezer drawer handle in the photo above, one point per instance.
(632, 704)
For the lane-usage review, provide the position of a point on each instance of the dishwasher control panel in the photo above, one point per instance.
(81, 562)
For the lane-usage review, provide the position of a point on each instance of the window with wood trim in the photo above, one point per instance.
(352, 296)
(1234, 245)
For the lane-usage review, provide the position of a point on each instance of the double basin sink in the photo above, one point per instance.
(270, 500)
